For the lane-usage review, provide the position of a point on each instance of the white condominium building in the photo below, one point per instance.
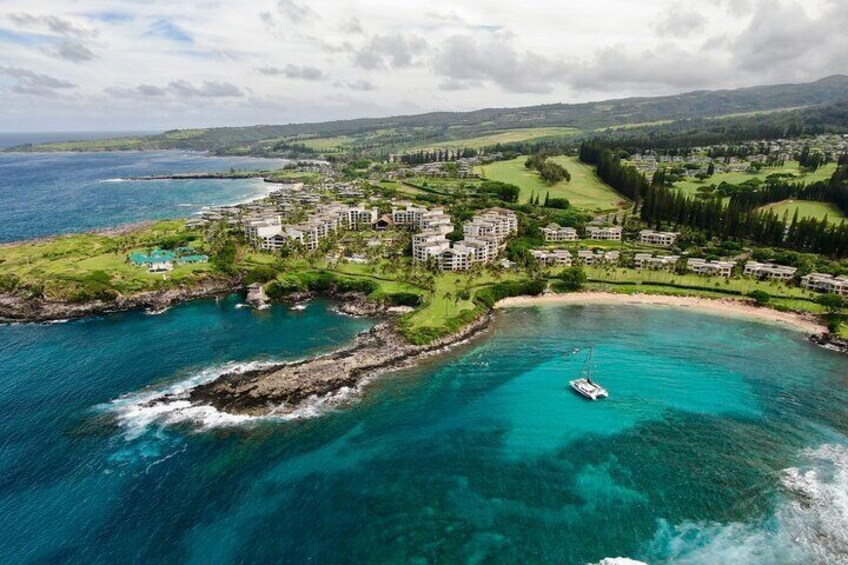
(408, 215)
(588, 257)
(769, 271)
(664, 238)
(498, 223)
(435, 220)
(648, 261)
(485, 234)
(711, 268)
(553, 232)
(826, 283)
(553, 258)
(604, 234)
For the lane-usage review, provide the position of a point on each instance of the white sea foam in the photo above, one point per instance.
(810, 525)
(115, 180)
(169, 405)
(619, 561)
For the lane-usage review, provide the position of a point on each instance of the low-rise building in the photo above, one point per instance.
(588, 257)
(553, 232)
(826, 283)
(604, 234)
(711, 268)
(648, 261)
(663, 238)
(553, 257)
(769, 271)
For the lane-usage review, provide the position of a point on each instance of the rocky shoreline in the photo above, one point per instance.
(18, 309)
(282, 388)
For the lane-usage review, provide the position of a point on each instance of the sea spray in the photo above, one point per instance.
(809, 524)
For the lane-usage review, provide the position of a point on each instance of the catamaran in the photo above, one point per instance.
(584, 385)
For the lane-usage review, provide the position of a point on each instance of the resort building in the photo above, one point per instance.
(435, 220)
(711, 268)
(498, 223)
(663, 238)
(768, 271)
(826, 283)
(588, 257)
(485, 235)
(457, 258)
(553, 258)
(556, 233)
(161, 260)
(407, 216)
(604, 234)
(648, 261)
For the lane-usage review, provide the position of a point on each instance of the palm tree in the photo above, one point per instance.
(447, 297)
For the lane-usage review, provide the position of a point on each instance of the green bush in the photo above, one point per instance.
(261, 273)
(572, 278)
(280, 288)
(761, 297)
(489, 296)
(402, 299)
(365, 286)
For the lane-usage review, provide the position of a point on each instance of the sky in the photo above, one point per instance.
(87, 65)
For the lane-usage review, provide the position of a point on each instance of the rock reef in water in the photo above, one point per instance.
(281, 388)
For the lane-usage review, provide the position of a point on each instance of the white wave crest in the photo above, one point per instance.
(115, 180)
(809, 526)
(170, 405)
(619, 561)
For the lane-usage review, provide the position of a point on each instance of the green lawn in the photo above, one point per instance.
(64, 267)
(691, 186)
(585, 191)
(807, 209)
(506, 136)
(709, 284)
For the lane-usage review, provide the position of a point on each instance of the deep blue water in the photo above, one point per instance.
(51, 193)
(715, 430)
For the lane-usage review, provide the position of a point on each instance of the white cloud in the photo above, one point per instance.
(146, 64)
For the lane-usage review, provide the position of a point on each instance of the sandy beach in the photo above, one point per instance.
(734, 308)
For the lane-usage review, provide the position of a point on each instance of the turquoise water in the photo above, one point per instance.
(714, 431)
(49, 193)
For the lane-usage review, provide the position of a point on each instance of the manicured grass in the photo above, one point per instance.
(585, 191)
(708, 284)
(807, 209)
(64, 267)
(823, 173)
(506, 136)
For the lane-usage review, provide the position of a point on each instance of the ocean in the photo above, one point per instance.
(723, 441)
(52, 193)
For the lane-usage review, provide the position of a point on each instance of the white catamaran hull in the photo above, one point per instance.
(589, 390)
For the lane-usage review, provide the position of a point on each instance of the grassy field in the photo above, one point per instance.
(807, 209)
(66, 267)
(585, 191)
(506, 136)
(691, 186)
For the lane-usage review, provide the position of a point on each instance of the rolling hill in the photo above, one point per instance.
(400, 132)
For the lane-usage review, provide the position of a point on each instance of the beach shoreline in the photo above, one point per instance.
(725, 307)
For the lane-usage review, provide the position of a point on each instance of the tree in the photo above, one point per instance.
(761, 297)
(832, 303)
(572, 278)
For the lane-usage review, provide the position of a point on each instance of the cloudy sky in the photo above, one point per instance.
(157, 64)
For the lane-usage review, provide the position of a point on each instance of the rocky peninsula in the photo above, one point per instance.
(282, 388)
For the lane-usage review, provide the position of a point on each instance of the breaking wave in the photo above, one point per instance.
(169, 405)
(809, 525)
